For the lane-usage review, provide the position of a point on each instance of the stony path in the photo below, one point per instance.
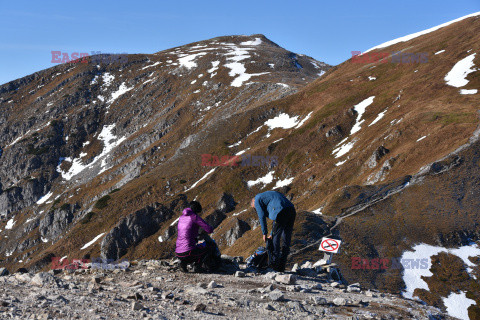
(151, 290)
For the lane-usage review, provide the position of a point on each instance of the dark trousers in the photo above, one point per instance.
(282, 237)
(193, 256)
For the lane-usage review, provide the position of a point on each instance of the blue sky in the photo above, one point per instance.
(326, 30)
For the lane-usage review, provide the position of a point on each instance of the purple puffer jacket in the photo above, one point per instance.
(188, 224)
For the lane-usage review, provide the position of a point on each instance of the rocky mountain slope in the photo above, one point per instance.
(74, 133)
(382, 148)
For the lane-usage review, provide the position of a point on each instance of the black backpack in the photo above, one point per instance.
(261, 258)
(212, 260)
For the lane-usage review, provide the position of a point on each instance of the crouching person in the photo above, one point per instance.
(203, 255)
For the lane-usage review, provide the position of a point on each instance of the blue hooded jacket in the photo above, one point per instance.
(270, 203)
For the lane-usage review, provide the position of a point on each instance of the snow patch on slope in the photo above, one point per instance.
(456, 76)
(413, 276)
(457, 305)
(283, 121)
(10, 224)
(420, 33)
(88, 244)
(107, 79)
(237, 69)
(255, 42)
(468, 91)
(44, 199)
(360, 109)
(268, 178)
(378, 118)
(283, 183)
(110, 142)
(342, 150)
(187, 61)
(201, 179)
(121, 90)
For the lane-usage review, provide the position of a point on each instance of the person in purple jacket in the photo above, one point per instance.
(187, 249)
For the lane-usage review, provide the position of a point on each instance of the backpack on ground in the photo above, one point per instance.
(212, 260)
(260, 259)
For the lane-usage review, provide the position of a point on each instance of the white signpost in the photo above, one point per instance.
(329, 246)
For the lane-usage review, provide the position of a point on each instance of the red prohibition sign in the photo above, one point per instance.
(330, 245)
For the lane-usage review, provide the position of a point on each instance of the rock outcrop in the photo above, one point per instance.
(134, 228)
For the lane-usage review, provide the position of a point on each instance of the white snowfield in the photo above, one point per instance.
(457, 76)
(44, 199)
(342, 150)
(110, 142)
(10, 224)
(283, 121)
(378, 118)
(213, 69)
(236, 214)
(457, 305)
(174, 222)
(413, 276)
(107, 79)
(92, 242)
(187, 60)
(237, 68)
(241, 152)
(255, 42)
(201, 179)
(303, 120)
(152, 65)
(420, 33)
(268, 178)
(283, 183)
(344, 147)
(121, 90)
(468, 91)
(360, 108)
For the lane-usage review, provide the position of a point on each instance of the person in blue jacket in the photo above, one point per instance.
(277, 207)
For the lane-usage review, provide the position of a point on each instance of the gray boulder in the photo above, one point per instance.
(276, 295)
(286, 278)
(318, 300)
(334, 131)
(42, 279)
(339, 301)
(378, 154)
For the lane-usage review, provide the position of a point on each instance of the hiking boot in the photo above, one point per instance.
(183, 266)
(197, 269)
